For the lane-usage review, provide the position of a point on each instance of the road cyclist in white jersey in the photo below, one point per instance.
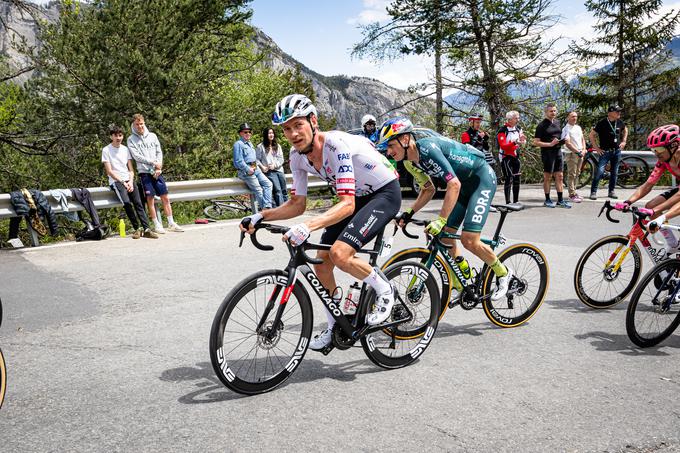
(370, 197)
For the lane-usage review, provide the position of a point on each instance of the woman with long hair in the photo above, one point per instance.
(270, 157)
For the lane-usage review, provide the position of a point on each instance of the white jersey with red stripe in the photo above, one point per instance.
(350, 163)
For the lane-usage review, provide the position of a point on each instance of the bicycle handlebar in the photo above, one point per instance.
(639, 214)
(277, 229)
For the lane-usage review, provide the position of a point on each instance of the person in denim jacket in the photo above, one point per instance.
(245, 161)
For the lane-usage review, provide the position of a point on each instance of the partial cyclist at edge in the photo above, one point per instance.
(664, 141)
(470, 188)
(370, 197)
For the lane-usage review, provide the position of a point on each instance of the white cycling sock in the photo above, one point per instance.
(157, 222)
(329, 317)
(379, 284)
(171, 220)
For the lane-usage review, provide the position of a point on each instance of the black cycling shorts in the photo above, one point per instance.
(552, 161)
(669, 193)
(371, 214)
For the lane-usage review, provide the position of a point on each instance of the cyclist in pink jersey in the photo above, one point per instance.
(664, 141)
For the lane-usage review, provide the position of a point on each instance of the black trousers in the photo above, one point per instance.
(132, 204)
(511, 167)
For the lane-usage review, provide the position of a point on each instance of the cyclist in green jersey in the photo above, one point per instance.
(470, 187)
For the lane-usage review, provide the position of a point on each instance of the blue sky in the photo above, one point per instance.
(320, 33)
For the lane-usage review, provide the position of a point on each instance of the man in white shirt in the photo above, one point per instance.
(118, 165)
(574, 149)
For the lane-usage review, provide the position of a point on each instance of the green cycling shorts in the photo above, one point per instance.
(474, 200)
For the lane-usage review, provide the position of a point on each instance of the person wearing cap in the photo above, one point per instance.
(608, 137)
(245, 161)
(368, 123)
(477, 138)
(547, 137)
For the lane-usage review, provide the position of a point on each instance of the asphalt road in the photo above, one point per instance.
(107, 350)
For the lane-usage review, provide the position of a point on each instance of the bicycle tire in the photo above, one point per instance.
(633, 171)
(215, 212)
(650, 320)
(585, 177)
(526, 302)
(443, 276)
(3, 379)
(383, 347)
(619, 285)
(229, 370)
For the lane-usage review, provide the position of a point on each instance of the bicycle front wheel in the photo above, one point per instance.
(607, 272)
(215, 212)
(526, 290)
(633, 171)
(654, 310)
(417, 302)
(249, 359)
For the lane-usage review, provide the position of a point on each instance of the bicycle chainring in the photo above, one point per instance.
(469, 298)
(340, 338)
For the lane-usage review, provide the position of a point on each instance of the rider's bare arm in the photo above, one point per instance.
(641, 191)
(295, 206)
(343, 209)
(426, 193)
(451, 197)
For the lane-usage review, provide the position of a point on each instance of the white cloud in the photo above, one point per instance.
(373, 11)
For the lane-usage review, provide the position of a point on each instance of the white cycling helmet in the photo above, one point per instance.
(292, 106)
(366, 118)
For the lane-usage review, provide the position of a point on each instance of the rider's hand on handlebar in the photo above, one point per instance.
(623, 206)
(297, 234)
(404, 217)
(435, 227)
(248, 223)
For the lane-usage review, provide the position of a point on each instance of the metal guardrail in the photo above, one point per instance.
(202, 189)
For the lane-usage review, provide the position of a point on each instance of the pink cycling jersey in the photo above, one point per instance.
(659, 170)
(350, 163)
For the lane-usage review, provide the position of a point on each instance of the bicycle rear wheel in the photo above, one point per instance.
(398, 346)
(527, 288)
(249, 360)
(654, 310)
(633, 171)
(585, 177)
(597, 280)
(441, 273)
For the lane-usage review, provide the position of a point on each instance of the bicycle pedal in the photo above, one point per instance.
(325, 351)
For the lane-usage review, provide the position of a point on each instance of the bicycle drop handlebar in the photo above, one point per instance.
(639, 214)
(280, 229)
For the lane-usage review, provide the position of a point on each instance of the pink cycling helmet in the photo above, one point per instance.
(663, 136)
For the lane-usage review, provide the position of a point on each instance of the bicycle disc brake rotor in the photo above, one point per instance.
(610, 274)
(518, 286)
(269, 337)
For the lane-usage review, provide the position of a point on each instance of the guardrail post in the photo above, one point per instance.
(253, 205)
(35, 239)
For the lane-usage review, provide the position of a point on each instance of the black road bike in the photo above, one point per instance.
(261, 332)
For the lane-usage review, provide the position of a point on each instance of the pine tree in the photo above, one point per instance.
(631, 49)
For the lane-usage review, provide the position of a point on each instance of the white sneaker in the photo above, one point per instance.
(176, 228)
(382, 308)
(322, 340)
(159, 229)
(502, 286)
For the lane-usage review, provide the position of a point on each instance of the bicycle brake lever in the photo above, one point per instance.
(240, 242)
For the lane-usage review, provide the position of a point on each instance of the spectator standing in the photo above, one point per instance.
(368, 123)
(477, 138)
(118, 165)
(245, 161)
(547, 137)
(510, 138)
(270, 157)
(147, 152)
(574, 150)
(608, 138)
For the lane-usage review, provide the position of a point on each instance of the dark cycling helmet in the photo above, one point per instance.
(292, 106)
(663, 136)
(391, 129)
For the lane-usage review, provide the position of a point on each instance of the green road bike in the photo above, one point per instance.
(527, 288)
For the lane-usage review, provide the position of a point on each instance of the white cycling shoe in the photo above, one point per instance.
(322, 340)
(382, 308)
(502, 286)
